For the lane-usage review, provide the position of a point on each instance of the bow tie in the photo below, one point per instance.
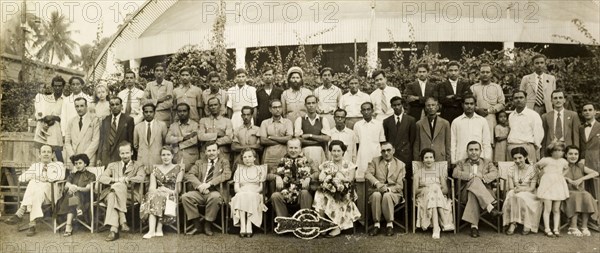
(474, 162)
(587, 125)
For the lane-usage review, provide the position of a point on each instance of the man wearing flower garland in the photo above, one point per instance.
(293, 180)
(385, 174)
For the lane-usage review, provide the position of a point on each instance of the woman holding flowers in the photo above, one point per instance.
(336, 195)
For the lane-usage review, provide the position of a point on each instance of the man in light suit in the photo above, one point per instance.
(114, 129)
(419, 90)
(432, 132)
(385, 174)
(119, 176)
(148, 138)
(451, 92)
(539, 86)
(205, 176)
(83, 133)
(479, 173)
(568, 129)
(589, 138)
(39, 177)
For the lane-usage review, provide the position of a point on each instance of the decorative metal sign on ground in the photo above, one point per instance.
(305, 224)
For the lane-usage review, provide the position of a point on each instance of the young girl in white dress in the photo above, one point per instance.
(553, 188)
(247, 206)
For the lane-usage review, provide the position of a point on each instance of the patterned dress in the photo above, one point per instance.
(500, 146)
(155, 201)
(430, 197)
(342, 212)
(524, 207)
(248, 199)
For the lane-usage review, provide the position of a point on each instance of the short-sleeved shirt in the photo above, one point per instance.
(328, 98)
(156, 91)
(348, 137)
(298, 125)
(279, 128)
(352, 102)
(192, 96)
(221, 95)
(240, 97)
(246, 135)
(294, 102)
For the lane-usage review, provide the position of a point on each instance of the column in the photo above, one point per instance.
(240, 57)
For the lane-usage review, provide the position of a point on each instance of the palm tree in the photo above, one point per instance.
(55, 40)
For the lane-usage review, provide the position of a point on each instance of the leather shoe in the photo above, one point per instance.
(495, 212)
(31, 231)
(13, 220)
(474, 232)
(374, 231)
(124, 228)
(207, 228)
(389, 231)
(112, 236)
(525, 231)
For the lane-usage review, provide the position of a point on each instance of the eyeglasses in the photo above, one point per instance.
(386, 150)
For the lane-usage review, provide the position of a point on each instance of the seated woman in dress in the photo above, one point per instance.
(165, 182)
(247, 206)
(335, 198)
(76, 197)
(521, 205)
(434, 209)
(580, 202)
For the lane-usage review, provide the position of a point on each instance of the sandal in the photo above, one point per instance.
(511, 229)
(575, 232)
(586, 232)
(556, 233)
(549, 234)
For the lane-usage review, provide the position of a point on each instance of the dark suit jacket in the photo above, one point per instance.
(378, 174)
(590, 148)
(402, 137)
(439, 140)
(110, 153)
(570, 129)
(262, 110)
(416, 107)
(452, 108)
(221, 174)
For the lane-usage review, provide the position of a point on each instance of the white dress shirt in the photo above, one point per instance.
(454, 85)
(464, 130)
(68, 109)
(588, 130)
(525, 127)
(348, 138)
(376, 97)
(352, 102)
(328, 98)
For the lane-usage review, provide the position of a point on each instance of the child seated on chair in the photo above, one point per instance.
(431, 189)
(76, 197)
(247, 206)
(580, 202)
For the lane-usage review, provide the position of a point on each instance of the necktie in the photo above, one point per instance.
(387, 172)
(384, 106)
(558, 129)
(124, 168)
(209, 175)
(128, 107)
(397, 121)
(80, 123)
(113, 132)
(539, 96)
(148, 133)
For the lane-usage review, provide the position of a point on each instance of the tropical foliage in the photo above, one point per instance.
(55, 39)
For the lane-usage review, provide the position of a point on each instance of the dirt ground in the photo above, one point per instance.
(45, 241)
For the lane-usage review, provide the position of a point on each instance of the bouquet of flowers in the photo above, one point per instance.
(292, 171)
(334, 183)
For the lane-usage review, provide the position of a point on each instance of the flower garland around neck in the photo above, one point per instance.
(293, 171)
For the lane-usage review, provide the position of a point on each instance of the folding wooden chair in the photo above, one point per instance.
(399, 207)
(144, 224)
(223, 226)
(228, 215)
(48, 208)
(132, 202)
(443, 165)
(495, 223)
